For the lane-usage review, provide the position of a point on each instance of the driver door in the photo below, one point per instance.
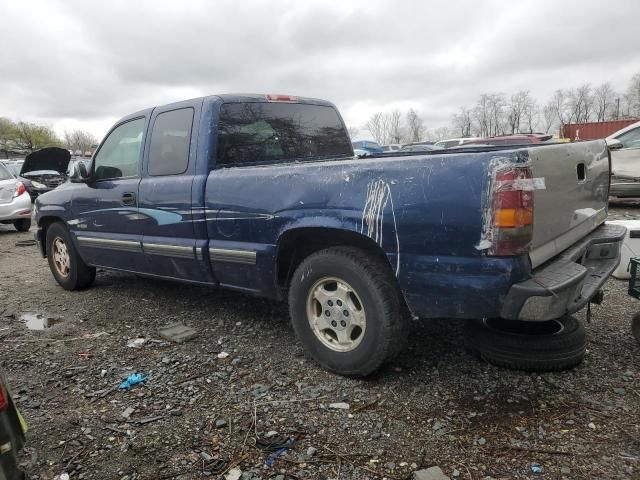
(107, 226)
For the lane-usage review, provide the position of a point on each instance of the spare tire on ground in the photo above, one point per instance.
(531, 346)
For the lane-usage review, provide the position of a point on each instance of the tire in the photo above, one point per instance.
(374, 301)
(531, 346)
(72, 273)
(22, 225)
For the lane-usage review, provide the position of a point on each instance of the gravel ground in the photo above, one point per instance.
(436, 405)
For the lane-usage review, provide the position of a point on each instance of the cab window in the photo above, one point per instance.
(119, 154)
(170, 139)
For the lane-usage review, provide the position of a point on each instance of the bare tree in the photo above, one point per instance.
(79, 140)
(377, 127)
(394, 121)
(415, 128)
(633, 96)
(516, 110)
(549, 115)
(353, 132)
(580, 101)
(462, 122)
(560, 108)
(441, 133)
(603, 97)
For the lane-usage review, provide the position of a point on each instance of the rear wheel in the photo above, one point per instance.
(347, 311)
(531, 346)
(65, 263)
(22, 225)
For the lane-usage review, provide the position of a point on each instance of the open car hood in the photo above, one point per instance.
(50, 158)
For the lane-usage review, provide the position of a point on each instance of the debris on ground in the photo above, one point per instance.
(136, 342)
(132, 380)
(433, 473)
(177, 332)
(537, 468)
(339, 406)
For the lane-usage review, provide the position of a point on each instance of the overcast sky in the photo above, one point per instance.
(83, 64)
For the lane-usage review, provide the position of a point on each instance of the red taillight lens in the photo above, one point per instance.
(19, 189)
(512, 212)
(4, 399)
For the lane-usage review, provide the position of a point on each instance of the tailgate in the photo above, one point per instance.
(574, 199)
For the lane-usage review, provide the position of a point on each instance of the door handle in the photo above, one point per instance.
(128, 198)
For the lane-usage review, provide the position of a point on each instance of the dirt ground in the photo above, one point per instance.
(435, 405)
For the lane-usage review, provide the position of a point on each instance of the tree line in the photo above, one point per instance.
(20, 138)
(500, 114)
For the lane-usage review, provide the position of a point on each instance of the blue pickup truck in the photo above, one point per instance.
(262, 194)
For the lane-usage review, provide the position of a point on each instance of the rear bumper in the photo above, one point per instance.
(18, 208)
(567, 282)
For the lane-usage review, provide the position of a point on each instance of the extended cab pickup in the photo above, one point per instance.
(263, 194)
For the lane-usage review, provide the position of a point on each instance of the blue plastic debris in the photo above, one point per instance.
(133, 379)
(536, 468)
(272, 458)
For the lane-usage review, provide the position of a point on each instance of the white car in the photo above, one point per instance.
(15, 202)
(453, 142)
(625, 161)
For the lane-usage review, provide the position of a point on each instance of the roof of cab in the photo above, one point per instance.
(232, 98)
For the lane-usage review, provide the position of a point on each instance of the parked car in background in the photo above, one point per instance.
(452, 142)
(358, 152)
(392, 147)
(419, 147)
(263, 194)
(15, 202)
(368, 145)
(625, 161)
(34, 188)
(521, 139)
(12, 434)
(47, 166)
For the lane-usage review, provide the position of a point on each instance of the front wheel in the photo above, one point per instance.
(65, 263)
(347, 311)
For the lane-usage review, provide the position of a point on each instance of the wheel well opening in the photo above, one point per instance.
(44, 225)
(298, 244)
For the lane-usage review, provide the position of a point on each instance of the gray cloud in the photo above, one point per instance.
(86, 63)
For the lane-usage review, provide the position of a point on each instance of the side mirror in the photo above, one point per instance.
(614, 144)
(80, 174)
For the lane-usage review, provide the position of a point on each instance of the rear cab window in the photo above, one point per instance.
(255, 132)
(170, 140)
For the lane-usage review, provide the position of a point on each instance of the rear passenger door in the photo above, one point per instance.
(169, 240)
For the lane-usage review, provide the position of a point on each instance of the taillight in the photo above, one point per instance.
(512, 212)
(4, 400)
(281, 98)
(19, 189)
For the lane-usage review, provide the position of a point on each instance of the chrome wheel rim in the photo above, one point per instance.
(61, 259)
(336, 314)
